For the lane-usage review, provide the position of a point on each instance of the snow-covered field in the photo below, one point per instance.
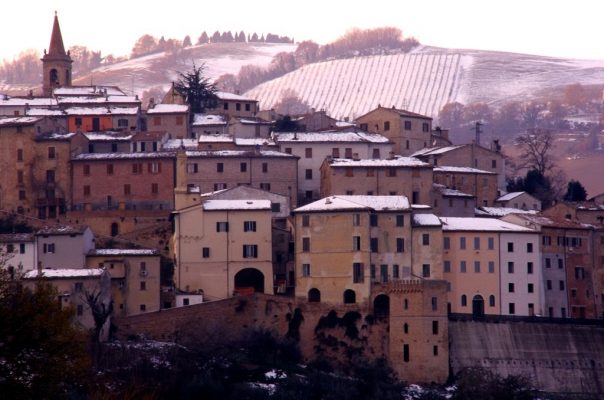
(425, 80)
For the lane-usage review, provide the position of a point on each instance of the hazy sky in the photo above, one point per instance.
(546, 27)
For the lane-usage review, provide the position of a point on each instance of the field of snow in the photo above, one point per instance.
(425, 80)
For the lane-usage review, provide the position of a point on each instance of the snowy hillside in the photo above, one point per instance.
(425, 80)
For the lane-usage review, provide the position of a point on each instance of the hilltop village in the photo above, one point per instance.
(160, 209)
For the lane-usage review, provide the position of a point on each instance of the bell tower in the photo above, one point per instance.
(56, 63)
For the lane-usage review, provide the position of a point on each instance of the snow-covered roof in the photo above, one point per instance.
(502, 211)
(330, 136)
(64, 273)
(398, 161)
(61, 230)
(208, 119)
(31, 101)
(447, 192)
(149, 136)
(429, 151)
(44, 112)
(462, 170)
(252, 121)
(232, 96)
(9, 121)
(97, 99)
(126, 156)
(254, 142)
(16, 237)
(168, 109)
(111, 110)
(123, 252)
(237, 153)
(426, 220)
(510, 196)
(480, 224)
(108, 136)
(340, 203)
(215, 138)
(221, 205)
(175, 144)
(55, 136)
(344, 124)
(88, 91)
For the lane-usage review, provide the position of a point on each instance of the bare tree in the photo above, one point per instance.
(101, 311)
(536, 146)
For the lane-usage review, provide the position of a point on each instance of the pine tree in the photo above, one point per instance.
(186, 42)
(203, 39)
(199, 93)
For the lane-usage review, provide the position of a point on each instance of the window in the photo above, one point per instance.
(462, 266)
(192, 168)
(476, 243)
(510, 247)
(154, 167)
(464, 300)
(400, 220)
(356, 243)
(225, 106)
(78, 122)
(374, 245)
(400, 245)
(512, 308)
(426, 270)
(435, 327)
(491, 267)
(21, 196)
(462, 243)
(137, 168)
(579, 273)
(220, 186)
(86, 190)
(19, 154)
(425, 127)
(491, 301)
(238, 106)
(243, 167)
(529, 247)
(530, 288)
(407, 125)
(52, 153)
(305, 269)
(154, 188)
(264, 167)
(127, 189)
(348, 172)
(357, 273)
(308, 152)
(86, 170)
(373, 220)
(511, 287)
(529, 267)
(356, 219)
(306, 220)
(548, 263)
(143, 307)
(222, 226)
(308, 173)
(21, 248)
(50, 176)
(446, 243)
(375, 154)
(435, 350)
(549, 284)
(395, 271)
(306, 244)
(491, 243)
(109, 169)
(156, 121)
(447, 266)
(143, 285)
(391, 172)
(219, 167)
(425, 239)
(406, 353)
(266, 186)
(335, 152)
(288, 150)
(250, 251)
(386, 125)
(122, 123)
(384, 273)
(20, 177)
(249, 226)
(560, 263)
(561, 285)
(348, 152)
(477, 267)
(510, 267)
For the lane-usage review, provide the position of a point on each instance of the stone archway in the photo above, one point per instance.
(249, 280)
(478, 306)
(314, 295)
(381, 306)
(350, 297)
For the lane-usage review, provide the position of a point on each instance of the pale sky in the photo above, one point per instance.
(545, 27)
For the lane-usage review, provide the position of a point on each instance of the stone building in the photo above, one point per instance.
(135, 278)
(394, 176)
(476, 182)
(520, 200)
(18, 253)
(63, 246)
(223, 247)
(173, 118)
(452, 203)
(408, 131)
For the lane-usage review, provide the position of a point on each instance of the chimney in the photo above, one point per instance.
(327, 200)
(391, 155)
(355, 156)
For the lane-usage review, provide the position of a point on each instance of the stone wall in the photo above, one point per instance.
(556, 357)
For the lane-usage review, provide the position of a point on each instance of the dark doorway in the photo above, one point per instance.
(314, 296)
(350, 297)
(478, 306)
(96, 124)
(249, 280)
(381, 306)
(115, 229)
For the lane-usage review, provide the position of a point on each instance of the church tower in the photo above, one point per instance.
(56, 64)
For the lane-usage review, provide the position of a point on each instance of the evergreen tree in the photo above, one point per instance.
(186, 42)
(575, 191)
(216, 37)
(199, 93)
(203, 39)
